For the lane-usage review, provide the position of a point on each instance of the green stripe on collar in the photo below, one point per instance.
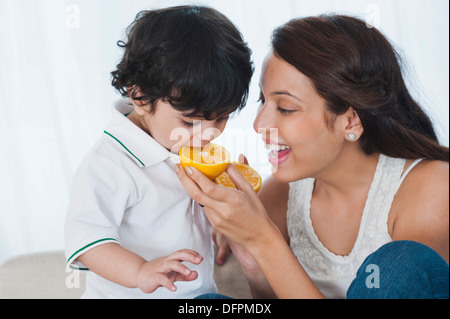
(125, 147)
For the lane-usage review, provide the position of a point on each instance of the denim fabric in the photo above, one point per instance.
(398, 270)
(212, 296)
(402, 270)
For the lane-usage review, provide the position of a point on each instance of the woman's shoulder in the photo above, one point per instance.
(426, 183)
(428, 174)
(421, 207)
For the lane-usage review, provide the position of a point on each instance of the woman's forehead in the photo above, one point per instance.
(279, 76)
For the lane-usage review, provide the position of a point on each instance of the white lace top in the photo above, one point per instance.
(333, 273)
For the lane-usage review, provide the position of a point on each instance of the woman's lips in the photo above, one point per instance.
(279, 157)
(279, 153)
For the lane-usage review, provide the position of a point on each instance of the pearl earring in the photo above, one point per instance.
(351, 136)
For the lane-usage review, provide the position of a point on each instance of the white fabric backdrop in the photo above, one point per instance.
(55, 93)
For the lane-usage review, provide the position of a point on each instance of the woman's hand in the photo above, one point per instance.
(225, 246)
(236, 213)
(222, 245)
(240, 215)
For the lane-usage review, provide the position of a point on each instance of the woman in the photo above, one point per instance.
(360, 183)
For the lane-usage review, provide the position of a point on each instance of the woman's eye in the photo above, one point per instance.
(285, 112)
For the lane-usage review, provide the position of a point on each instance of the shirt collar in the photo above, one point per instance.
(137, 144)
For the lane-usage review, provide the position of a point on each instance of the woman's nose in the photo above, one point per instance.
(264, 120)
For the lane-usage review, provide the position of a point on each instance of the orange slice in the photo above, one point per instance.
(212, 160)
(249, 173)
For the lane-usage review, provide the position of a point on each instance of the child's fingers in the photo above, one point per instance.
(192, 276)
(175, 271)
(164, 281)
(187, 255)
(175, 266)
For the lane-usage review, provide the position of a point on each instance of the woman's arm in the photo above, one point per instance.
(241, 217)
(274, 196)
(420, 211)
(281, 268)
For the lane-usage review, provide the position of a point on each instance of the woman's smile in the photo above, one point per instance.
(278, 153)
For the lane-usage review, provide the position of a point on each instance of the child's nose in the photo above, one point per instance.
(210, 133)
(206, 134)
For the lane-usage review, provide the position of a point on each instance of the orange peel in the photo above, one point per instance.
(249, 174)
(212, 160)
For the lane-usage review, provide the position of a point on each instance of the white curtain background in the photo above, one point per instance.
(55, 94)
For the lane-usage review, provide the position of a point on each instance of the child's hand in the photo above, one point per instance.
(164, 271)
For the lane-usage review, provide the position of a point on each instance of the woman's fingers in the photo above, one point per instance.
(223, 248)
(191, 186)
(200, 188)
(205, 191)
(243, 159)
(239, 180)
(206, 185)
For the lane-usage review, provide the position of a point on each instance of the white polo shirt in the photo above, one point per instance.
(126, 191)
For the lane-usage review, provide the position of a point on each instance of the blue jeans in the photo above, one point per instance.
(212, 296)
(402, 270)
(398, 270)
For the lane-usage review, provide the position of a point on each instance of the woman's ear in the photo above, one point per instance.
(140, 107)
(354, 128)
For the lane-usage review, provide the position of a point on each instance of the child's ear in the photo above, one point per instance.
(140, 107)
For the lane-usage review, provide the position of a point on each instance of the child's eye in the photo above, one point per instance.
(285, 112)
(261, 101)
(188, 124)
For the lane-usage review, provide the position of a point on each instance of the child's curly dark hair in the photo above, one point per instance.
(191, 56)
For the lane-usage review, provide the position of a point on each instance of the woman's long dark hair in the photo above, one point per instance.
(352, 65)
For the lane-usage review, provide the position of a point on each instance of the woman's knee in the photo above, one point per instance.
(402, 269)
(212, 296)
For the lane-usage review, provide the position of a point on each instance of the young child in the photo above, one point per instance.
(130, 221)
